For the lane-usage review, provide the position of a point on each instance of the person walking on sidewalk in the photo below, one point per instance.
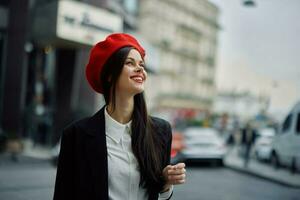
(248, 139)
(121, 152)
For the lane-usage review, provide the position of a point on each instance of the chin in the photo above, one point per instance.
(138, 90)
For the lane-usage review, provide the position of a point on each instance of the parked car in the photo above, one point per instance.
(262, 145)
(286, 144)
(202, 144)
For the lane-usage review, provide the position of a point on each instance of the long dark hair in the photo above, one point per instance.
(146, 146)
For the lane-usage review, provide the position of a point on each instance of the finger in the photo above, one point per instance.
(179, 182)
(176, 177)
(168, 167)
(176, 172)
(179, 165)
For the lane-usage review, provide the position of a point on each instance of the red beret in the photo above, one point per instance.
(102, 51)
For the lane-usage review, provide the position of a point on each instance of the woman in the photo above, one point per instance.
(120, 153)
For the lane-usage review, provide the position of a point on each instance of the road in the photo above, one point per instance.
(27, 182)
(206, 183)
(36, 181)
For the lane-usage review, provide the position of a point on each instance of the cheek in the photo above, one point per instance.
(127, 71)
(124, 77)
(125, 74)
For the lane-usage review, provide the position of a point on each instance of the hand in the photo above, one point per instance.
(174, 175)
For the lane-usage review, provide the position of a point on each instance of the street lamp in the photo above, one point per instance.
(249, 3)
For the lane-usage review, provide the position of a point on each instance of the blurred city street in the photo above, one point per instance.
(27, 179)
(224, 75)
(204, 183)
(33, 179)
(280, 175)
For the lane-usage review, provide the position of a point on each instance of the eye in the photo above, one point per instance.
(142, 65)
(129, 63)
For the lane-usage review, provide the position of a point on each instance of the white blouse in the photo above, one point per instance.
(123, 173)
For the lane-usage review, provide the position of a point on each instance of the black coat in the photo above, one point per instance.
(82, 164)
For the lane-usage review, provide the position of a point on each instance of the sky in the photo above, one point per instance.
(259, 50)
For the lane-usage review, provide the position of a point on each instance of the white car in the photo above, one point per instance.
(263, 144)
(203, 144)
(286, 144)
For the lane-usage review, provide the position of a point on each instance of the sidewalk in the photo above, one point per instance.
(29, 155)
(262, 170)
(6, 160)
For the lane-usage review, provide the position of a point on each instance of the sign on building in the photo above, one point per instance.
(68, 22)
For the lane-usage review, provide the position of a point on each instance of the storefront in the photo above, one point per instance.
(44, 47)
(62, 35)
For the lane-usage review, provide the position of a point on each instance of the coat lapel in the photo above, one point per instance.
(96, 152)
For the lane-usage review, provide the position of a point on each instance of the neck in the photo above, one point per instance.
(123, 109)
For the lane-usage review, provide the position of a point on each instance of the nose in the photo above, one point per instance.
(138, 69)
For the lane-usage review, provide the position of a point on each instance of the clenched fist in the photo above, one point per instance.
(174, 175)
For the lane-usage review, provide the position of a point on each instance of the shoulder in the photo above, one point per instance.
(162, 126)
(84, 125)
(158, 122)
(78, 124)
(88, 124)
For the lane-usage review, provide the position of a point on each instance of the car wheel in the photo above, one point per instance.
(221, 163)
(293, 166)
(217, 163)
(275, 160)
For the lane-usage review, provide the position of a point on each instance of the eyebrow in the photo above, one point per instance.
(134, 59)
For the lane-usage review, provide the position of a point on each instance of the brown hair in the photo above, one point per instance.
(146, 146)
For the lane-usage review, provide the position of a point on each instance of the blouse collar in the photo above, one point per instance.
(115, 129)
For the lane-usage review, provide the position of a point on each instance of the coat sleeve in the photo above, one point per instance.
(168, 156)
(64, 175)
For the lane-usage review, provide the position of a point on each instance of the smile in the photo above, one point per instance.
(138, 79)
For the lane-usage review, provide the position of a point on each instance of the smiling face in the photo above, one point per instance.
(133, 75)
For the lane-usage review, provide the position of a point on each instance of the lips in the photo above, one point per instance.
(137, 78)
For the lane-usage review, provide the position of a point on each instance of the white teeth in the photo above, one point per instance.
(138, 79)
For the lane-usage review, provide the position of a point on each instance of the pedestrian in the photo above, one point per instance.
(120, 153)
(248, 139)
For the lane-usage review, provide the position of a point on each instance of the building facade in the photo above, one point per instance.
(185, 34)
(44, 48)
(243, 105)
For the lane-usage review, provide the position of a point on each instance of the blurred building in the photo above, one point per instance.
(243, 105)
(185, 34)
(44, 47)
